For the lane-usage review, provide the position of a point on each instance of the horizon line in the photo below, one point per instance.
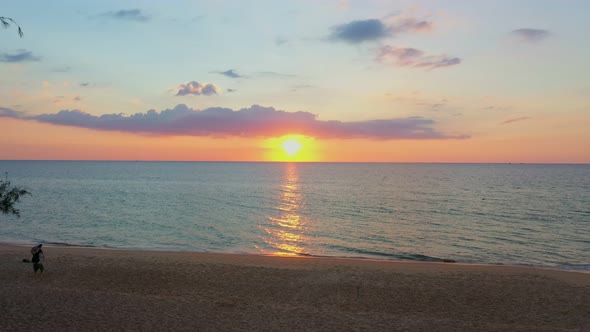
(308, 162)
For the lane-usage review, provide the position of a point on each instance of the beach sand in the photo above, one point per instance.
(112, 290)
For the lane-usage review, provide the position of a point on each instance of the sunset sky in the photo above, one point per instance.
(383, 81)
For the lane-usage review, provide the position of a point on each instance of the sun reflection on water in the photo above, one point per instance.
(285, 232)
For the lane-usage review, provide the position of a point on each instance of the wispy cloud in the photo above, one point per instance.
(229, 73)
(281, 41)
(299, 87)
(198, 18)
(515, 120)
(59, 100)
(232, 73)
(529, 35)
(411, 57)
(255, 121)
(62, 69)
(272, 74)
(410, 24)
(424, 102)
(127, 15)
(496, 108)
(197, 89)
(19, 56)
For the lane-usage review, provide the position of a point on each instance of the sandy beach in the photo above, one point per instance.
(115, 290)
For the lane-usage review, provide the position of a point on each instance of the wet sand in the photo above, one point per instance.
(111, 290)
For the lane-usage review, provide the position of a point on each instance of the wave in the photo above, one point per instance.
(401, 256)
(65, 244)
(425, 258)
(574, 267)
(22, 243)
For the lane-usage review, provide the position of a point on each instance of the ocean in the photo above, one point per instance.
(535, 215)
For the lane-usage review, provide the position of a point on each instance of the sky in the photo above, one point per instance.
(349, 81)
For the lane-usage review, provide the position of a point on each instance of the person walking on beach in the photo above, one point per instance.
(37, 259)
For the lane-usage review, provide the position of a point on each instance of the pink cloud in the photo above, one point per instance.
(410, 24)
(411, 57)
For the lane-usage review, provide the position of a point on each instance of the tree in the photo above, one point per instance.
(6, 21)
(9, 196)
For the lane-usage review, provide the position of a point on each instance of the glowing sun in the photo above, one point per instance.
(291, 147)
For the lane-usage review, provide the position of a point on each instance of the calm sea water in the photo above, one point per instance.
(475, 213)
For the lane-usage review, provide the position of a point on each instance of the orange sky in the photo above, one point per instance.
(31, 140)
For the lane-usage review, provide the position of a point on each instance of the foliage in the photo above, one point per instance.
(6, 21)
(9, 196)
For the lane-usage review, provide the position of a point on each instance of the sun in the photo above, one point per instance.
(291, 147)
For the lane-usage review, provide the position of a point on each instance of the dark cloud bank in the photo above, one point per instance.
(255, 121)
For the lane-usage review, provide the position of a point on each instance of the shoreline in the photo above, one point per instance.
(100, 290)
(586, 269)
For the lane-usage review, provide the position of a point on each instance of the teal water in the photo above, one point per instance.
(474, 213)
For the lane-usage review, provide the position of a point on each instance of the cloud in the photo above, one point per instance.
(360, 31)
(198, 18)
(255, 121)
(424, 102)
(410, 24)
(411, 57)
(9, 113)
(515, 120)
(197, 89)
(261, 74)
(63, 69)
(281, 41)
(529, 35)
(299, 87)
(496, 108)
(229, 73)
(272, 74)
(356, 32)
(127, 15)
(19, 56)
